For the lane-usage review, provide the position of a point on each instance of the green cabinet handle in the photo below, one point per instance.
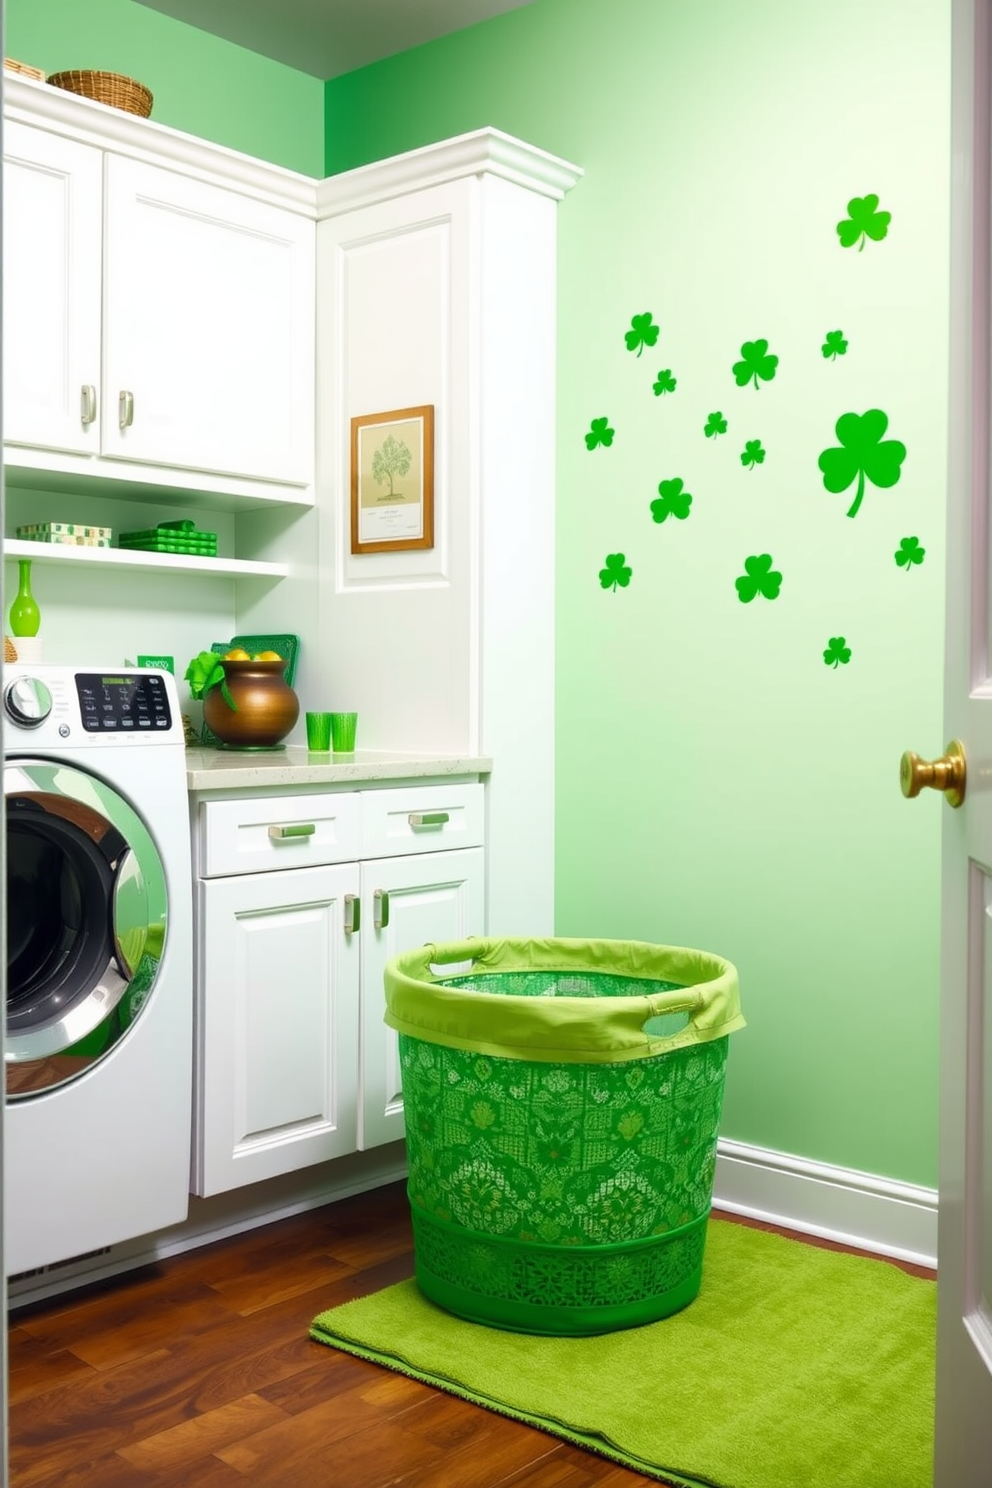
(352, 914)
(295, 829)
(428, 818)
(380, 908)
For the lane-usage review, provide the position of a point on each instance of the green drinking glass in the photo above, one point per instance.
(319, 733)
(343, 727)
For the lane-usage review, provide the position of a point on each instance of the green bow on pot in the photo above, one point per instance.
(205, 672)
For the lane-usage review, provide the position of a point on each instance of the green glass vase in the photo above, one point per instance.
(25, 616)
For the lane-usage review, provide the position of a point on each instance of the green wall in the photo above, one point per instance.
(728, 770)
(725, 777)
(201, 84)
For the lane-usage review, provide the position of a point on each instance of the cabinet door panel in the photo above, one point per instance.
(277, 1025)
(434, 898)
(209, 325)
(52, 190)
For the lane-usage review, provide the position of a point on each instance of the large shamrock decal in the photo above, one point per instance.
(758, 578)
(755, 362)
(672, 501)
(864, 220)
(643, 332)
(863, 454)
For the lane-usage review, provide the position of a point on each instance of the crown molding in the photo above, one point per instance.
(481, 152)
(31, 102)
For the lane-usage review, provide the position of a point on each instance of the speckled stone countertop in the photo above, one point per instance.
(223, 769)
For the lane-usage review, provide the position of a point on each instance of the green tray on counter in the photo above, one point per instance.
(286, 645)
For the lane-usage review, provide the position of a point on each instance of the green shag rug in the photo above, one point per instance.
(795, 1367)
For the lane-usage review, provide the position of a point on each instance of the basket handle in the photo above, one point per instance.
(453, 951)
(679, 1000)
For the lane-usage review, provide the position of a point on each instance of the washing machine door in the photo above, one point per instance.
(86, 922)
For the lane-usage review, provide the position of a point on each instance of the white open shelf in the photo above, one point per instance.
(118, 558)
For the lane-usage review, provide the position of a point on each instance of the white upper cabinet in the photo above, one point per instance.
(51, 290)
(209, 328)
(158, 304)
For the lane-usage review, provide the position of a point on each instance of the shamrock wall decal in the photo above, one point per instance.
(909, 553)
(838, 653)
(753, 454)
(666, 382)
(616, 572)
(834, 345)
(863, 455)
(599, 433)
(758, 578)
(755, 362)
(643, 332)
(864, 220)
(715, 424)
(672, 501)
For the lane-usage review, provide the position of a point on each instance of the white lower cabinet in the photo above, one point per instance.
(414, 901)
(277, 1025)
(293, 1062)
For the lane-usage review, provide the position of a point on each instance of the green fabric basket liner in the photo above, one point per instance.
(572, 1001)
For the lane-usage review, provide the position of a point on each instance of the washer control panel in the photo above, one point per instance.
(61, 707)
(123, 702)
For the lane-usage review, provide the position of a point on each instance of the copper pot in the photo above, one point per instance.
(265, 706)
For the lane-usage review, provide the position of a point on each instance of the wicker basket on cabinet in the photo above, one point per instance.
(112, 88)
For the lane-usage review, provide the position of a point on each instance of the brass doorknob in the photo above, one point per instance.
(946, 774)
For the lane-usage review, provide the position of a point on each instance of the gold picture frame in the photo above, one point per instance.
(394, 450)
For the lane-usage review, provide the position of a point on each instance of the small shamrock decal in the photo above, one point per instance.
(753, 453)
(838, 653)
(616, 572)
(755, 362)
(835, 345)
(758, 578)
(666, 382)
(599, 433)
(864, 220)
(863, 453)
(643, 332)
(672, 501)
(909, 553)
(715, 424)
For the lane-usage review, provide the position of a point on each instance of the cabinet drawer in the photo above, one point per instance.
(429, 818)
(259, 836)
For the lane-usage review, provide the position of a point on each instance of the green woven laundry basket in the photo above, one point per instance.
(562, 1103)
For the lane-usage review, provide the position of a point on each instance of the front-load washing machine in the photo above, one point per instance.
(99, 961)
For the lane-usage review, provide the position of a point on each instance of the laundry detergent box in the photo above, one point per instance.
(70, 533)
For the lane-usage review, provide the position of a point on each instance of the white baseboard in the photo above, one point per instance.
(854, 1208)
(842, 1204)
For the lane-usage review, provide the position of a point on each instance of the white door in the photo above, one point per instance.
(964, 1335)
(406, 902)
(52, 193)
(276, 1025)
(209, 327)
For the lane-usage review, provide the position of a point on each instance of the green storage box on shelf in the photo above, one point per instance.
(562, 1103)
(172, 537)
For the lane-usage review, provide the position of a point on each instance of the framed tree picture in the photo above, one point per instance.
(392, 480)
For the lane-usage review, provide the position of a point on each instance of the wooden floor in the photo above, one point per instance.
(199, 1371)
